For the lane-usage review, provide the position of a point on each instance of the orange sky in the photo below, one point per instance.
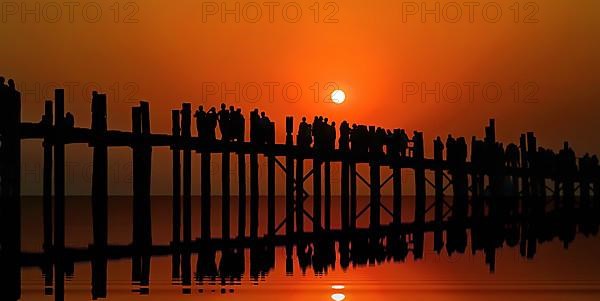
(174, 51)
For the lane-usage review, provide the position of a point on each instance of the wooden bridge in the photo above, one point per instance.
(478, 195)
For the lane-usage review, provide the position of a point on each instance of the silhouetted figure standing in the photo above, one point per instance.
(224, 121)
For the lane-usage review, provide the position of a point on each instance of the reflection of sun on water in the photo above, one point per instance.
(338, 296)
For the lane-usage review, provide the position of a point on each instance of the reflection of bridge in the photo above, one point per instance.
(488, 211)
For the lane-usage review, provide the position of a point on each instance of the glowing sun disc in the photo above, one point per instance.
(338, 96)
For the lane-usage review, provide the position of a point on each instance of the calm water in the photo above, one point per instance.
(554, 274)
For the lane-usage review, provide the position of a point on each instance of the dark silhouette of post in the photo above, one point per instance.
(205, 195)
(225, 198)
(375, 192)
(300, 194)
(316, 195)
(142, 157)
(254, 195)
(10, 193)
(289, 177)
(176, 202)
(420, 198)
(353, 200)
(327, 184)
(345, 195)
(397, 195)
(59, 189)
(47, 185)
(186, 123)
(100, 172)
(271, 195)
(242, 195)
(438, 155)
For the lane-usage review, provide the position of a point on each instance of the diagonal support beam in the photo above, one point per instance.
(362, 179)
(386, 181)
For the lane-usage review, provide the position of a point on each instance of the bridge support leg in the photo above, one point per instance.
(205, 196)
(271, 195)
(397, 196)
(345, 196)
(317, 195)
(254, 195)
(186, 116)
(375, 183)
(300, 195)
(59, 191)
(353, 200)
(226, 200)
(242, 195)
(100, 173)
(176, 205)
(327, 196)
(47, 185)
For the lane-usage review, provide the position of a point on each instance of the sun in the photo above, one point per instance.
(338, 96)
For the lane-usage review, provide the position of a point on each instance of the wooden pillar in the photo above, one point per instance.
(300, 194)
(10, 193)
(327, 188)
(205, 195)
(438, 155)
(397, 195)
(176, 205)
(345, 195)
(353, 200)
(100, 171)
(271, 194)
(242, 195)
(375, 201)
(59, 188)
(419, 154)
(254, 195)
(226, 201)
(137, 175)
(186, 123)
(146, 175)
(47, 185)
(316, 195)
(289, 177)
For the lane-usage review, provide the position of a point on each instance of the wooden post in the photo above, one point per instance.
(419, 154)
(10, 193)
(226, 201)
(300, 194)
(316, 195)
(176, 131)
(345, 195)
(137, 175)
(59, 188)
(397, 195)
(242, 195)
(100, 171)
(271, 194)
(254, 195)
(186, 123)
(205, 195)
(289, 177)
(327, 184)
(146, 175)
(47, 198)
(353, 201)
(438, 155)
(375, 187)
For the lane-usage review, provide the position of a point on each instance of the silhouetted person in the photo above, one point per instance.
(201, 122)
(344, 141)
(69, 120)
(223, 117)
(304, 138)
(211, 124)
